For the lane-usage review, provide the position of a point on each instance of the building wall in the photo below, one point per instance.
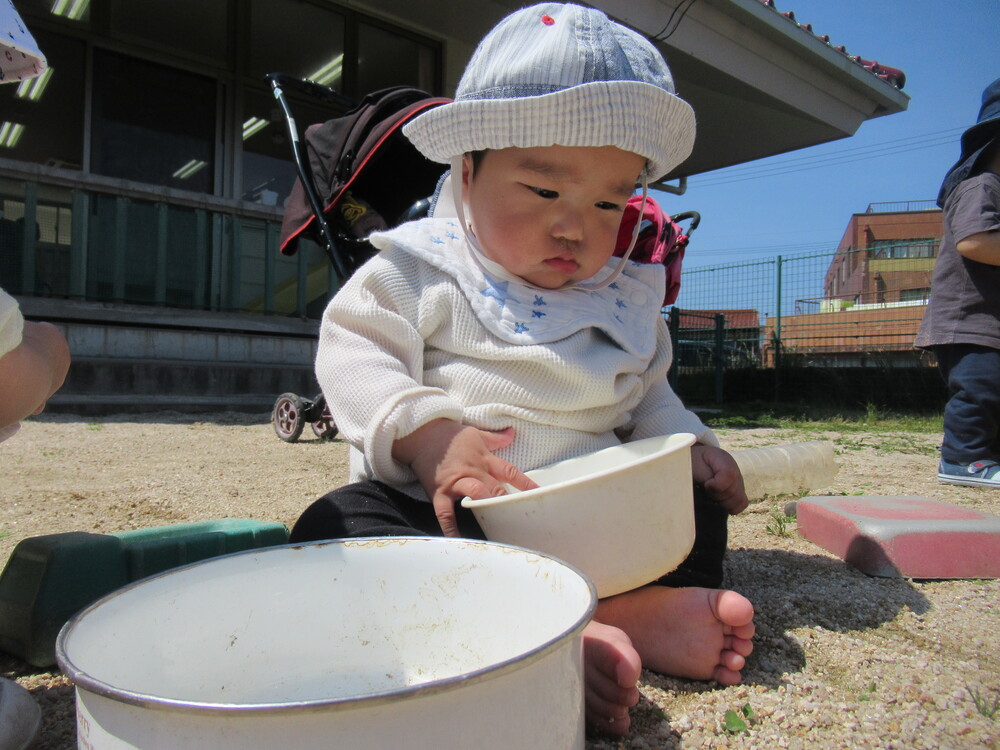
(878, 335)
(153, 166)
(136, 358)
(154, 162)
(857, 272)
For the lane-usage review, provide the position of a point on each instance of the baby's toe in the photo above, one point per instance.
(741, 646)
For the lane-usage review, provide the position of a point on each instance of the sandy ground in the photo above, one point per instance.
(842, 660)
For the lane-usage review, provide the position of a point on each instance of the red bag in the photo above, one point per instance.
(661, 240)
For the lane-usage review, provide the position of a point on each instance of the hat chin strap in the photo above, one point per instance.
(497, 271)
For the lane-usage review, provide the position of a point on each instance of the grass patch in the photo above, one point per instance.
(985, 706)
(779, 524)
(823, 419)
(886, 443)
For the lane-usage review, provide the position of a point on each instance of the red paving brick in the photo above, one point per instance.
(903, 536)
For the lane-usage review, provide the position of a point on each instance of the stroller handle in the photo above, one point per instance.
(278, 81)
(694, 216)
(309, 88)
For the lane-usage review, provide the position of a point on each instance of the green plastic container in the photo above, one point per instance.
(50, 578)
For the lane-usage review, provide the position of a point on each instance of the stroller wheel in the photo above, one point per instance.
(323, 426)
(287, 417)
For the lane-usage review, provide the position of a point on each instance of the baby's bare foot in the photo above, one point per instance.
(611, 671)
(696, 633)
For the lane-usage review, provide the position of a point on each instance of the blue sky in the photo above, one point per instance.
(803, 200)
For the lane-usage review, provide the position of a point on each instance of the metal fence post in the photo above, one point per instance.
(301, 284)
(777, 315)
(236, 259)
(161, 211)
(673, 325)
(777, 331)
(119, 248)
(204, 259)
(270, 261)
(720, 355)
(79, 244)
(220, 262)
(29, 240)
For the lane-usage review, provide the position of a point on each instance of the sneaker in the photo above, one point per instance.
(977, 474)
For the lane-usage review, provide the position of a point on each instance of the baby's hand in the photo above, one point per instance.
(719, 474)
(452, 461)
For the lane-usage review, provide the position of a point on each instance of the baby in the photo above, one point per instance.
(474, 348)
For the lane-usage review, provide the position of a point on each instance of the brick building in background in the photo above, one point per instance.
(886, 255)
(875, 291)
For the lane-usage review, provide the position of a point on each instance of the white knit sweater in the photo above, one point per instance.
(419, 332)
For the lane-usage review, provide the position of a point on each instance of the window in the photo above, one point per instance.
(913, 295)
(387, 58)
(268, 168)
(311, 43)
(170, 93)
(153, 124)
(45, 114)
(300, 39)
(892, 249)
(75, 12)
(191, 27)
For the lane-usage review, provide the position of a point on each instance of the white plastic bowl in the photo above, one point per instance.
(381, 643)
(623, 515)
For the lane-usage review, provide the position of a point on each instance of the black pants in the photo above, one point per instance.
(374, 509)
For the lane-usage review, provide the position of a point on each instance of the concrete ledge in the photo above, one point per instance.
(903, 536)
(138, 359)
(103, 405)
(192, 378)
(144, 316)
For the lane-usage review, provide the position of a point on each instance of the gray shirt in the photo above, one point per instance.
(964, 307)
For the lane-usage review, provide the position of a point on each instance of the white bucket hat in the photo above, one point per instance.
(20, 57)
(555, 74)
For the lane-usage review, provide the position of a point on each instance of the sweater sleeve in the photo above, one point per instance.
(661, 411)
(370, 362)
(11, 323)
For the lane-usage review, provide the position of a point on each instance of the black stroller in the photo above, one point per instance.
(357, 174)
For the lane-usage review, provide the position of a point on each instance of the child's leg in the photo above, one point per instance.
(703, 565)
(373, 509)
(972, 414)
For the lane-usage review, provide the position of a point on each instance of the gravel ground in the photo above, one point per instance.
(842, 660)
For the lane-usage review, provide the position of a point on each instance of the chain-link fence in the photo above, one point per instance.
(778, 328)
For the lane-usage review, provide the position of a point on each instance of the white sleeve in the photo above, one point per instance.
(369, 362)
(11, 323)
